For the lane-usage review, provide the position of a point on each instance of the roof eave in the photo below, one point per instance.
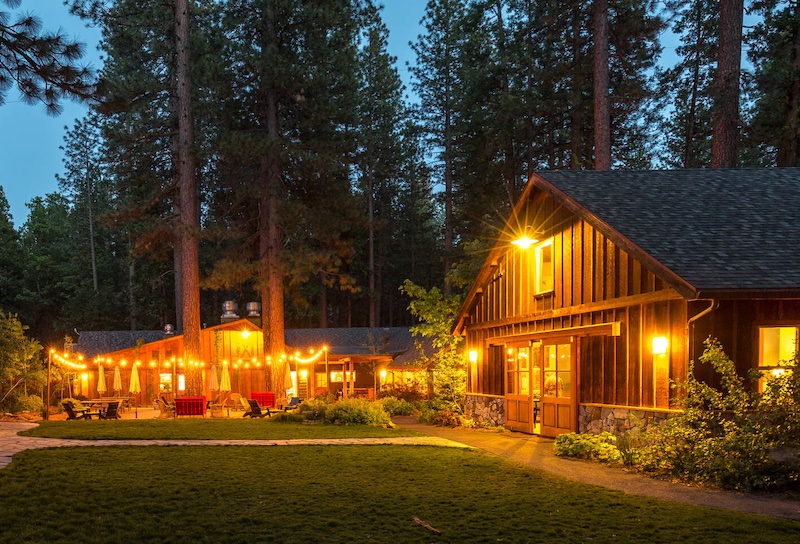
(752, 294)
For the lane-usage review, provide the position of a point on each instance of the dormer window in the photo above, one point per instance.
(545, 270)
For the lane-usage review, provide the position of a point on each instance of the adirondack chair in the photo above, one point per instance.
(74, 412)
(294, 402)
(111, 411)
(167, 409)
(254, 410)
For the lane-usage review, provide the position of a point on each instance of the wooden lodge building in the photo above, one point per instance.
(604, 285)
(339, 361)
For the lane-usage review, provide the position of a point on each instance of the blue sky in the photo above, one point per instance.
(29, 140)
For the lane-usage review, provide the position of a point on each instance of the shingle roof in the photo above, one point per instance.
(716, 229)
(93, 343)
(390, 341)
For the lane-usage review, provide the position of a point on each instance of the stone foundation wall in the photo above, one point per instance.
(618, 421)
(485, 410)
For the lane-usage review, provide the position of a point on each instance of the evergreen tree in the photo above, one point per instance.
(689, 85)
(12, 259)
(774, 50)
(435, 79)
(43, 64)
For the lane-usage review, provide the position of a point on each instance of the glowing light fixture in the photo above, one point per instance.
(660, 344)
(524, 241)
(473, 356)
(245, 333)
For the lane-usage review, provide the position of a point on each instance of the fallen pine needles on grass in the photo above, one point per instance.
(288, 494)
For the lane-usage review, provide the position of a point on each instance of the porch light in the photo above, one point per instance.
(524, 241)
(660, 345)
(383, 374)
(473, 356)
(245, 333)
(304, 373)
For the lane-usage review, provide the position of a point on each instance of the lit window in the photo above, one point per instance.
(776, 350)
(545, 271)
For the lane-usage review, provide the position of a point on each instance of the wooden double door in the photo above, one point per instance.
(540, 387)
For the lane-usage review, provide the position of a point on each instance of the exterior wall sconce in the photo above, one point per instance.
(524, 242)
(473, 356)
(660, 344)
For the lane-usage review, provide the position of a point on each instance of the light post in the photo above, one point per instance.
(47, 400)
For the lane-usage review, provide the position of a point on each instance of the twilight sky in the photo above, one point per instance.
(29, 140)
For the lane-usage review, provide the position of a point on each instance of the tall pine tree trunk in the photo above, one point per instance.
(602, 113)
(189, 219)
(725, 142)
(270, 235)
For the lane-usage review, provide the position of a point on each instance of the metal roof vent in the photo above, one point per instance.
(253, 309)
(169, 330)
(229, 309)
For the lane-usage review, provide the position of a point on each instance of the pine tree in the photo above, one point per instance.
(774, 50)
(435, 78)
(42, 64)
(12, 259)
(689, 85)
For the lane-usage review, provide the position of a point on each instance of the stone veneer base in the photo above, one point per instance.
(618, 421)
(485, 410)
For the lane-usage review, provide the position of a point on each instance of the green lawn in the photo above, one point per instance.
(204, 429)
(288, 494)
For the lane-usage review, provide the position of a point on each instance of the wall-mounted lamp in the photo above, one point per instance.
(526, 238)
(473, 356)
(524, 241)
(660, 344)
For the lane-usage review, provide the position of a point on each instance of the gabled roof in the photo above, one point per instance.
(706, 233)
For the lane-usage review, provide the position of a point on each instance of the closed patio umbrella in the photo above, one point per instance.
(117, 380)
(101, 380)
(135, 387)
(225, 383)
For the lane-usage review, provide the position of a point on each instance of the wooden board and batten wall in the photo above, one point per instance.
(603, 302)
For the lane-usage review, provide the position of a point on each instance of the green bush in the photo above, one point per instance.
(588, 446)
(289, 417)
(725, 436)
(315, 408)
(433, 413)
(397, 406)
(27, 403)
(357, 411)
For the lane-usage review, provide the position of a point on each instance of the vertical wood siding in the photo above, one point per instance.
(589, 268)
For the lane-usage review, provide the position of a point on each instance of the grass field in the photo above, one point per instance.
(289, 494)
(204, 429)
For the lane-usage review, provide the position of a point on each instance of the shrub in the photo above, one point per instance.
(410, 392)
(289, 417)
(588, 446)
(27, 403)
(437, 413)
(357, 411)
(397, 407)
(315, 408)
(724, 436)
